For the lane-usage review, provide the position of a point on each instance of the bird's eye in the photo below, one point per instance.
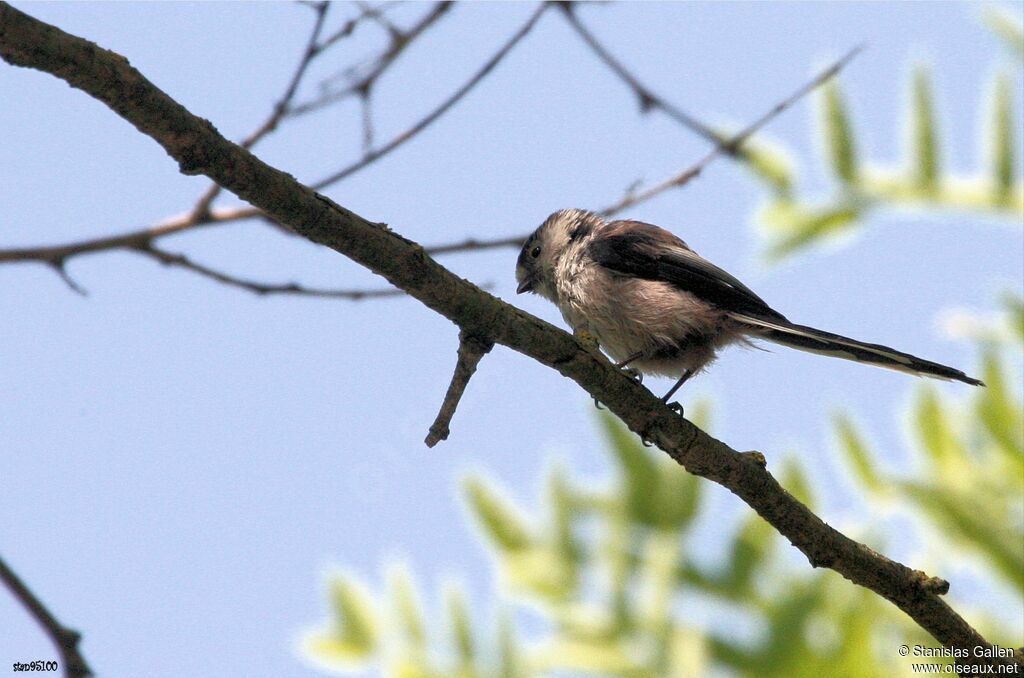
(535, 252)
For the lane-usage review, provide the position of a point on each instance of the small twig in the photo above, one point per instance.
(475, 244)
(378, 17)
(471, 349)
(376, 154)
(280, 109)
(263, 289)
(350, 26)
(64, 638)
(59, 266)
(677, 180)
(283, 105)
(366, 108)
(647, 98)
(734, 143)
(202, 215)
(400, 41)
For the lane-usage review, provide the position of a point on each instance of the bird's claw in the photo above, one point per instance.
(597, 404)
(675, 407)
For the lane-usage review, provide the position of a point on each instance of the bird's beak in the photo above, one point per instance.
(525, 286)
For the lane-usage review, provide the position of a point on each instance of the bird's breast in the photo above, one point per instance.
(670, 328)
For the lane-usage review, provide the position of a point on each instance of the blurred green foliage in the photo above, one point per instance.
(604, 578)
(790, 222)
(607, 576)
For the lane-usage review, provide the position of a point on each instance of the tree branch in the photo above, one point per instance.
(259, 288)
(66, 640)
(472, 349)
(280, 109)
(647, 99)
(400, 41)
(202, 215)
(373, 155)
(726, 146)
(199, 149)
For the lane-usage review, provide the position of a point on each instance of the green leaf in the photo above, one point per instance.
(749, 549)
(934, 429)
(835, 121)
(661, 558)
(542, 572)
(500, 520)
(1014, 304)
(852, 444)
(795, 481)
(998, 411)
(1002, 144)
(639, 470)
(792, 227)
(786, 645)
(771, 164)
(462, 629)
(978, 523)
(676, 496)
(587, 657)
(407, 608)
(562, 508)
(924, 147)
(1008, 27)
(510, 659)
(352, 636)
(658, 492)
(699, 414)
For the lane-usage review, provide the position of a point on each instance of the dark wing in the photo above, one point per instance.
(652, 253)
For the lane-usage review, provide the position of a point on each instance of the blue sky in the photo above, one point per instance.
(182, 461)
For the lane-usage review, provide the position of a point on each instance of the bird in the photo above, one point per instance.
(657, 307)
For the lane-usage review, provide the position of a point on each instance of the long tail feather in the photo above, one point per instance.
(817, 341)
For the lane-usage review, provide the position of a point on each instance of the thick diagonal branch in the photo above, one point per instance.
(198, 148)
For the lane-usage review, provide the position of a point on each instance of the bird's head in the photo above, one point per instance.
(535, 269)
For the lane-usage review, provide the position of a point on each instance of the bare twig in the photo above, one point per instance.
(734, 143)
(431, 117)
(66, 640)
(200, 149)
(400, 41)
(475, 244)
(60, 266)
(262, 289)
(201, 215)
(647, 98)
(349, 26)
(471, 349)
(277, 113)
(633, 198)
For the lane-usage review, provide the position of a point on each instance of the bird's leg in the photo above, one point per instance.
(682, 380)
(632, 373)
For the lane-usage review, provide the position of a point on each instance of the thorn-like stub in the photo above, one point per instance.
(936, 585)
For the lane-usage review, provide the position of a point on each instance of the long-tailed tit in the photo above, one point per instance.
(655, 305)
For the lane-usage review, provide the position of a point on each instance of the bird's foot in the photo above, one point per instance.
(597, 404)
(676, 407)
